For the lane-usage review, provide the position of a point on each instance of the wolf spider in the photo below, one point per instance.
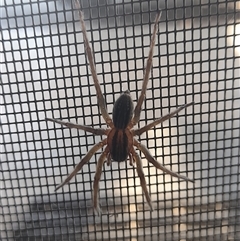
(119, 139)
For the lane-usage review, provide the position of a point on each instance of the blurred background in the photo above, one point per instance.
(44, 73)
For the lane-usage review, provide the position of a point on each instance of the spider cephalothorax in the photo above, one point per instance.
(120, 139)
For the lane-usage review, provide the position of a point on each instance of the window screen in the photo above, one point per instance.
(45, 74)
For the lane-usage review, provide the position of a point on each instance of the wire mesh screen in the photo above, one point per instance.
(44, 73)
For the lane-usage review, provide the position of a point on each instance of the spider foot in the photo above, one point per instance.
(109, 159)
(131, 160)
(97, 210)
(150, 204)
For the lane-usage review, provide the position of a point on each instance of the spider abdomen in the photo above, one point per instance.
(119, 144)
(123, 110)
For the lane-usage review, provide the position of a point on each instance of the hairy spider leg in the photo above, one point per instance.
(138, 107)
(85, 160)
(101, 100)
(152, 160)
(142, 178)
(97, 177)
(95, 131)
(149, 126)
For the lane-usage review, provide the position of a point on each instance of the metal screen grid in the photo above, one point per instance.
(45, 74)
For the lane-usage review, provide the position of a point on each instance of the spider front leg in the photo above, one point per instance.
(85, 160)
(97, 179)
(152, 160)
(141, 175)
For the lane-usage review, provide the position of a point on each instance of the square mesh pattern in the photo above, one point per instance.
(44, 73)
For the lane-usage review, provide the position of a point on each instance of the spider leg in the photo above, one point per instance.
(85, 160)
(95, 131)
(101, 100)
(151, 159)
(139, 131)
(131, 160)
(109, 159)
(141, 175)
(138, 107)
(96, 181)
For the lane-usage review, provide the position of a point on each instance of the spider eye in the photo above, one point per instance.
(123, 110)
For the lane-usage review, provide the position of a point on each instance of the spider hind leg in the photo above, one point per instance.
(89, 53)
(137, 110)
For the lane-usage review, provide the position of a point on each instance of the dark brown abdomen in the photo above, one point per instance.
(123, 110)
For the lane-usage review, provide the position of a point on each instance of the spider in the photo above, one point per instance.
(119, 141)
